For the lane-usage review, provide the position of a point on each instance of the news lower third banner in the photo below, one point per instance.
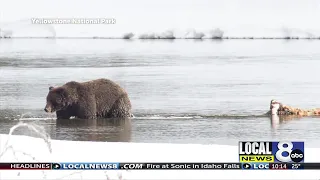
(253, 155)
(158, 166)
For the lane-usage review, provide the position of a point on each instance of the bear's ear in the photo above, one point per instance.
(60, 90)
(50, 88)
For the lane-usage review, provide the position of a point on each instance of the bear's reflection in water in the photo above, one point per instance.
(112, 130)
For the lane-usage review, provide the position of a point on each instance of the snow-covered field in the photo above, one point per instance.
(28, 149)
(164, 18)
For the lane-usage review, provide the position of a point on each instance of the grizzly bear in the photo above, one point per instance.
(101, 98)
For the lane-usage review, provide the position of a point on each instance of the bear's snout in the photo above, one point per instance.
(47, 109)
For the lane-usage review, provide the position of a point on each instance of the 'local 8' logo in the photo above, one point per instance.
(286, 153)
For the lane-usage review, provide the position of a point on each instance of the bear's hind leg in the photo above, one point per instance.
(121, 108)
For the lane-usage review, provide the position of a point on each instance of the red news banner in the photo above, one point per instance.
(25, 166)
(152, 166)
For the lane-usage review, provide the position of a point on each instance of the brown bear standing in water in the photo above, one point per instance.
(88, 100)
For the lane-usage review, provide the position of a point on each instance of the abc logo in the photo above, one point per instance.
(286, 153)
(296, 155)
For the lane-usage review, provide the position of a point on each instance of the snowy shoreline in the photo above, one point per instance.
(142, 19)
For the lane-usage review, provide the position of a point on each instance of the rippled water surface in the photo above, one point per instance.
(182, 91)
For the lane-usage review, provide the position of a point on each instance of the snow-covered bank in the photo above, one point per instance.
(28, 149)
(208, 18)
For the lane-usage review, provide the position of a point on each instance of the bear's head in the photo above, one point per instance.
(57, 99)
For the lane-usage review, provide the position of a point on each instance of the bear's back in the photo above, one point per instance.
(104, 86)
(106, 92)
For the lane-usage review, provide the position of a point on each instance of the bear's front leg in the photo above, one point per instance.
(87, 110)
(63, 114)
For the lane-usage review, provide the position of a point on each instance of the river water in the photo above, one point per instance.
(182, 91)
